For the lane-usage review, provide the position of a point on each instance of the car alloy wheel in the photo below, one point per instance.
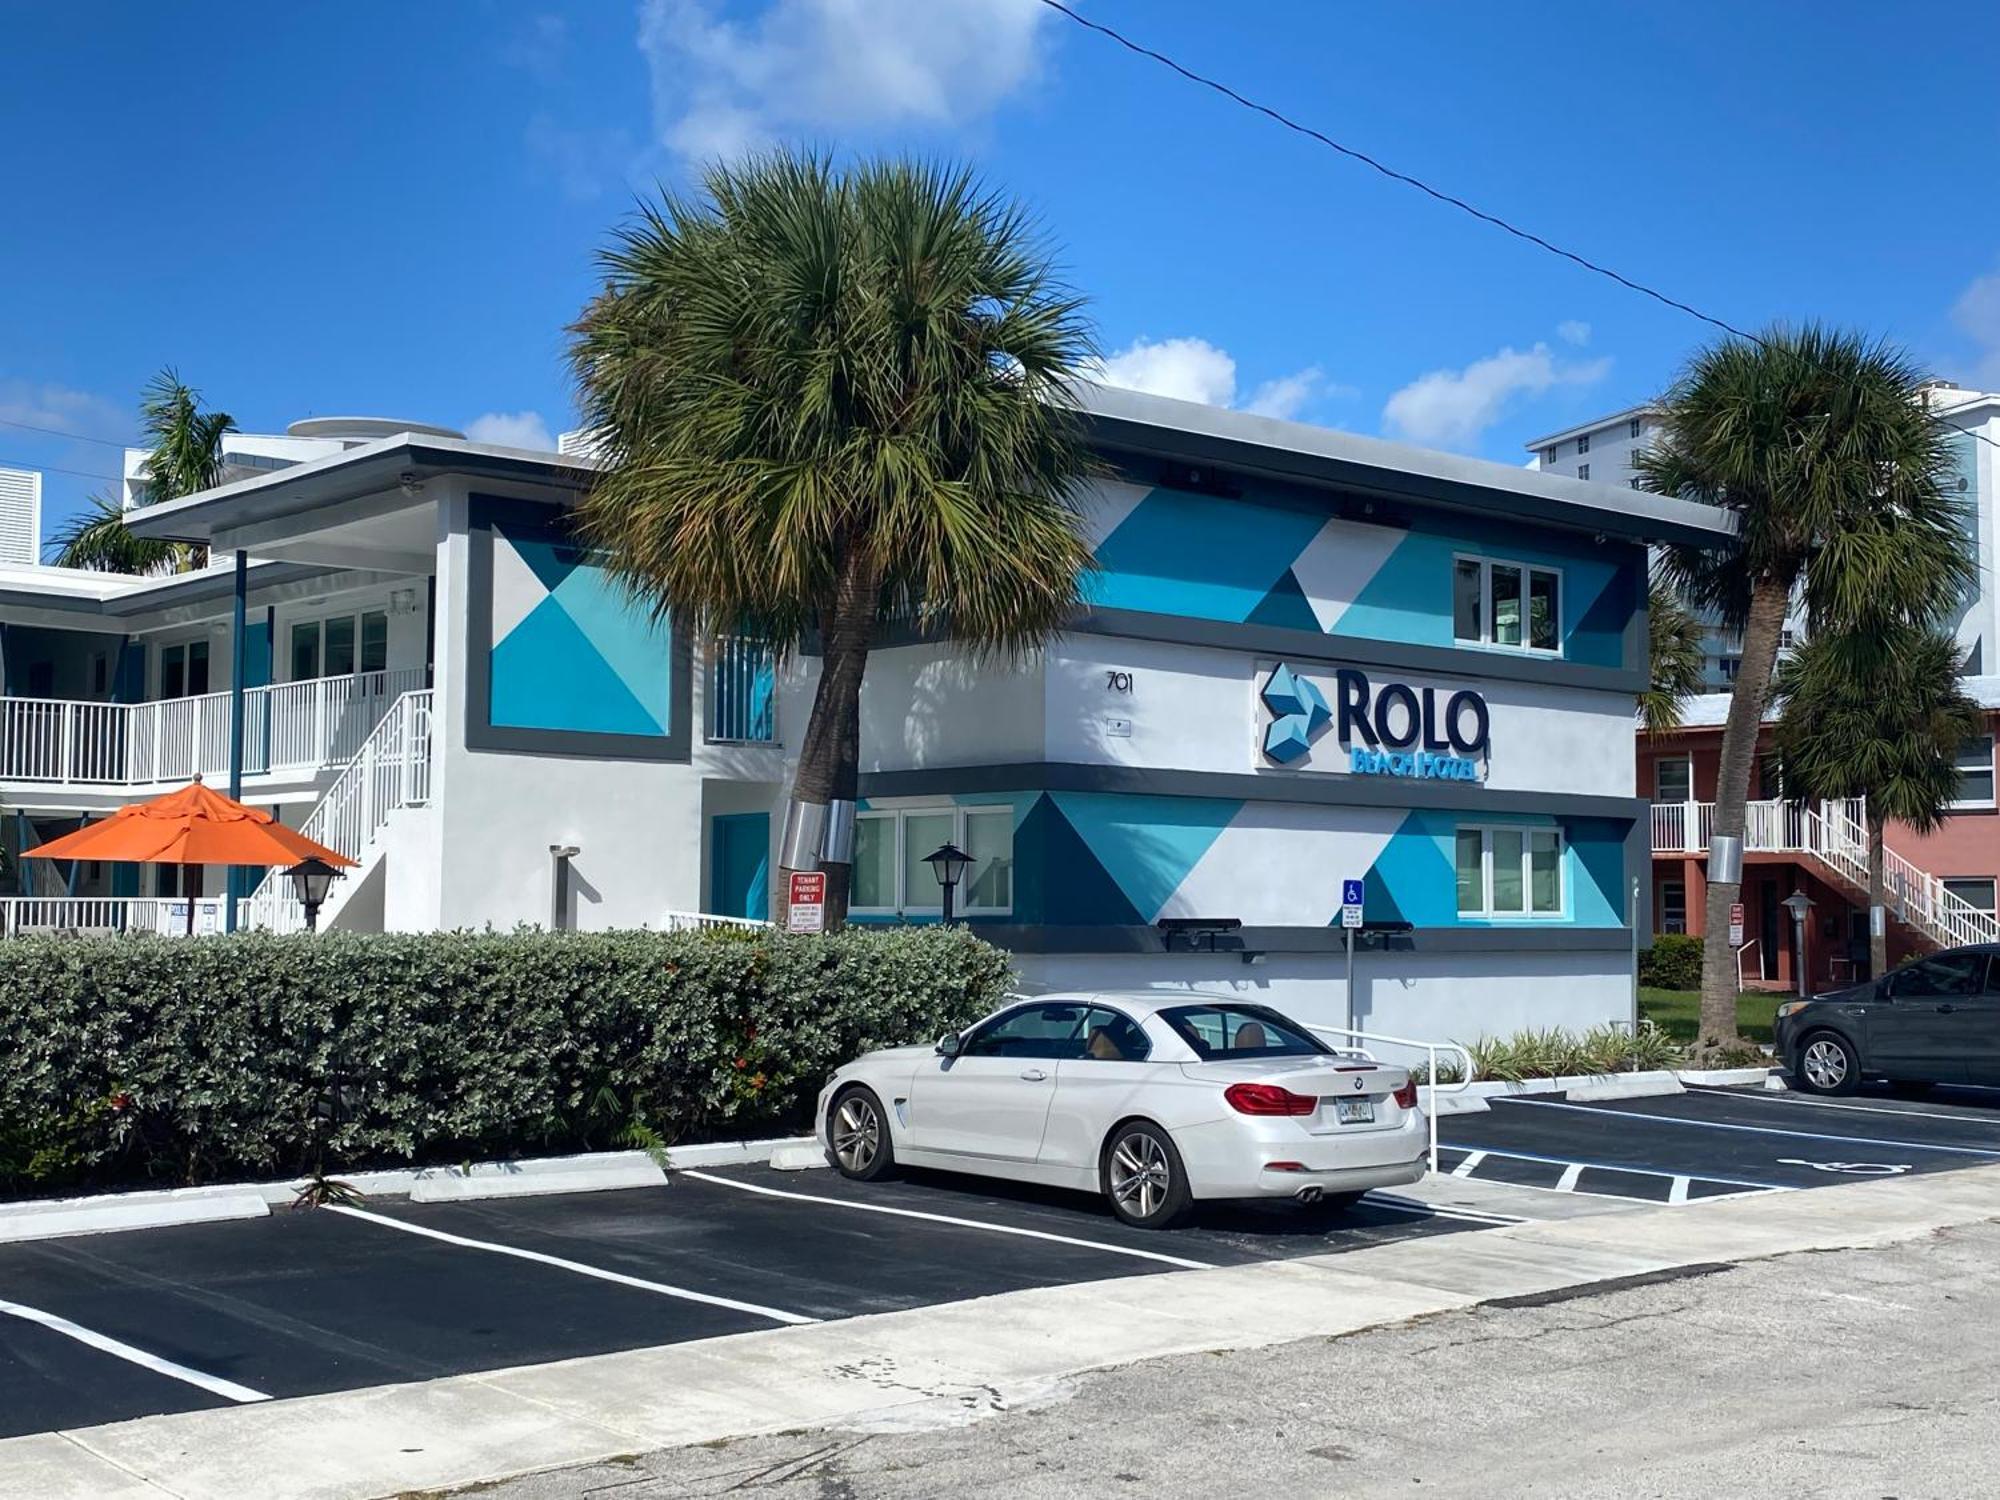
(1141, 1175)
(1825, 1065)
(857, 1134)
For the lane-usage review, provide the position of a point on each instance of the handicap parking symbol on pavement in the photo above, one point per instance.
(1849, 1168)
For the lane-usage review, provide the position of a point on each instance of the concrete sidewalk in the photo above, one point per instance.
(931, 1365)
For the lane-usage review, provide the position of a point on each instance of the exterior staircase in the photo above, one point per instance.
(391, 772)
(1833, 837)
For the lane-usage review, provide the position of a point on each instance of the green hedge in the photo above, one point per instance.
(1672, 963)
(134, 1060)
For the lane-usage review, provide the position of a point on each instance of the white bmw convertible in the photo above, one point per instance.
(1154, 1100)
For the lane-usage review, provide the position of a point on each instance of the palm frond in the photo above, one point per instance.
(186, 442)
(98, 539)
(1674, 658)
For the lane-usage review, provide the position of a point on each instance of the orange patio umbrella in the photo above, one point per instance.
(193, 826)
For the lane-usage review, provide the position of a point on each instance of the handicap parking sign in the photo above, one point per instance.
(1351, 893)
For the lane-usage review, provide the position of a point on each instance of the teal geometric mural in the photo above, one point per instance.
(570, 652)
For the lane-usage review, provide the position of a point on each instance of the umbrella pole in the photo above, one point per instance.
(187, 888)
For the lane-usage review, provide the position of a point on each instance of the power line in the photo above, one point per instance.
(58, 469)
(1440, 195)
(74, 437)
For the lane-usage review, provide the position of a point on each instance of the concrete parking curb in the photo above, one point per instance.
(596, 1171)
(961, 1358)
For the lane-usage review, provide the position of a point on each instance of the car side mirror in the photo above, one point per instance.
(948, 1044)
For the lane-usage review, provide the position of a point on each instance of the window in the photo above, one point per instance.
(892, 848)
(1960, 973)
(1506, 604)
(1673, 779)
(184, 670)
(340, 646)
(1112, 1036)
(100, 674)
(1673, 906)
(1229, 1031)
(1583, 447)
(1032, 1031)
(1634, 428)
(1509, 871)
(1549, 456)
(1975, 773)
(1976, 891)
(1583, 471)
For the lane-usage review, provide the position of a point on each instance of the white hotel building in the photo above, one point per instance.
(1308, 658)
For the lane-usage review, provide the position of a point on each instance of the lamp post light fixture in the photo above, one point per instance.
(311, 879)
(948, 864)
(1798, 904)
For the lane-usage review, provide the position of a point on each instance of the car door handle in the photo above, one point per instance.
(1033, 1075)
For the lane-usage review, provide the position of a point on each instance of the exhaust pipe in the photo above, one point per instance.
(1308, 1194)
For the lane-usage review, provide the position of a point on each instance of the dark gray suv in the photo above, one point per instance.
(1934, 1020)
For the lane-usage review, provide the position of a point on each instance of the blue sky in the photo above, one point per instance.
(392, 208)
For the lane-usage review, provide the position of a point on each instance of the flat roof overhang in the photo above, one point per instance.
(272, 513)
(1155, 427)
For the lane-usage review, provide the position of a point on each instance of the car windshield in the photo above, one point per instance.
(1234, 1031)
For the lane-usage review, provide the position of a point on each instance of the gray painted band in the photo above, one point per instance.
(1306, 789)
(1553, 938)
(1313, 647)
(482, 734)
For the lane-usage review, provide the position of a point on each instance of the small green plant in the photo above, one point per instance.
(1555, 1053)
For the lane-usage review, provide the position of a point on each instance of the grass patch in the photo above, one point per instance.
(1678, 1012)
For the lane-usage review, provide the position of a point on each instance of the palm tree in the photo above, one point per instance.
(828, 400)
(186, 457)
(1815, 441)
(1877, 714)
(1674, 655)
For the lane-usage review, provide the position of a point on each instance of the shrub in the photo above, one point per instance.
(1672, 963)
(1556, 1053)
(142, 1060)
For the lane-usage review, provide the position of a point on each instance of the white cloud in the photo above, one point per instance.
(1192, 369)
(40, 403)
(512, 429)
(1453, 408)
(833, 67)
(1573, 331)
(1977, 314)
(582, 163)
(539, 45)
(1187, 369)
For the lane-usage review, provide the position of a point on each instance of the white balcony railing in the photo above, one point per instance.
(165, 916)
(287, 727)
(1835, 834)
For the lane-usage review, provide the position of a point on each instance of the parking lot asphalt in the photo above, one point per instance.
(107, 1327)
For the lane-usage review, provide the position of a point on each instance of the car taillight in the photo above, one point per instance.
(1406, 1096)
(1268, 1099)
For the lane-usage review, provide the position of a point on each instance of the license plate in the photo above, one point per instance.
(1354, 1111)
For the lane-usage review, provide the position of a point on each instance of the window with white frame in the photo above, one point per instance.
(1583, 445)
(1976, 891)
(184, 669)
(1510, 870)
(1549, 455)
(1975, 773)
(1506, 604)
(1673, 779)
(1635, 428)
(1673, 906)
(339, 645)
(892, 849)
(1583, 471)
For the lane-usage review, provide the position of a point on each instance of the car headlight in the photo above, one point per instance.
(1792, 1008)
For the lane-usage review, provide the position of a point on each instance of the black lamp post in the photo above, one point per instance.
(311, 879)
(948, 864)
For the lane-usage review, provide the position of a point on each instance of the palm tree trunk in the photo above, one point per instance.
(830, 752)
(1878, 936)
(1769, 602)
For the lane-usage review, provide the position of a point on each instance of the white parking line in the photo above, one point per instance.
(213, 1384)
(912, 1213)
(1808, 1101)
(1612, 1166)
(1567, 1182)
(776, 1315)
(1804, 1135)
(1470, 1165)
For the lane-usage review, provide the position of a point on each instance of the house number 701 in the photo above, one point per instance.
(1118, 682)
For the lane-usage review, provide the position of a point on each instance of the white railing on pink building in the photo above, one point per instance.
(287, 727)
(1836, 834)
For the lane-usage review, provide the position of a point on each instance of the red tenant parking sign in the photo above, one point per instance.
(1736, 924)
(805, 908)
